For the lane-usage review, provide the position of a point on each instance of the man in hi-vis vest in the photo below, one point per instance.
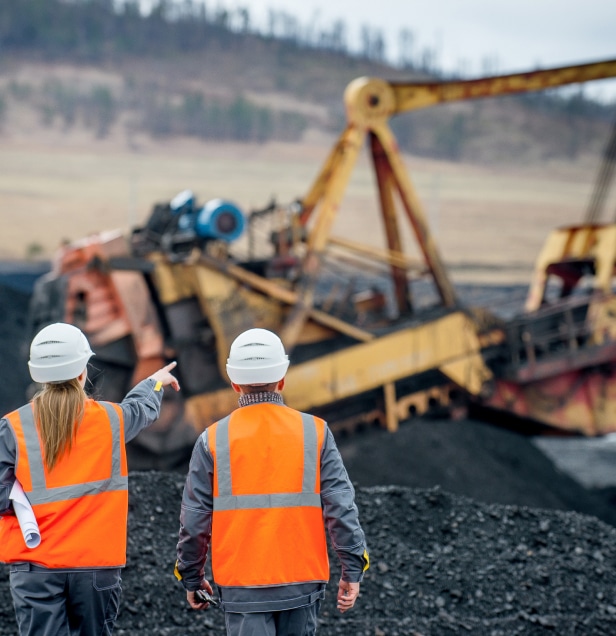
(263, 485)
(63, 458)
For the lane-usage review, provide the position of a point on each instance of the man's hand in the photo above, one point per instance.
(347, 595)
(192, 600)
(165, 378)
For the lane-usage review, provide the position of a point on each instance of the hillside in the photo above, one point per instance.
(98, 124)
(216, 97)
(207, 75)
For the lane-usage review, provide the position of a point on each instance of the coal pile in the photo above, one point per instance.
(441, 564)
(472, 458)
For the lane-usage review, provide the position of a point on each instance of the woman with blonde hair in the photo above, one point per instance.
(66, 453)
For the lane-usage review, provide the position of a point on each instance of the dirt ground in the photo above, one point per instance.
(488, 222)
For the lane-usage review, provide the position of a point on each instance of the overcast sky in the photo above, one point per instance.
(513, 35)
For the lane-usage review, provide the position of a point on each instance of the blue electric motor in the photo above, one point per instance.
(219, 219)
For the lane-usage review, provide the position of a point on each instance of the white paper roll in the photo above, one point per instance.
(25, 516)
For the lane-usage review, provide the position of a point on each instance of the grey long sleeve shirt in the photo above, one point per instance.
(140, 408)
(339, 512)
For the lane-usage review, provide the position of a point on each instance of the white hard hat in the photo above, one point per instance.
(257, 357)
(58, 353)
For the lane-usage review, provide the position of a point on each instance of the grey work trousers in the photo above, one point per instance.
(50, 602)
(301, 621)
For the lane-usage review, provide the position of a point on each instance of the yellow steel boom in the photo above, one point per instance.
(370, 102)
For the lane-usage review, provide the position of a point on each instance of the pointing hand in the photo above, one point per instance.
(164, 375)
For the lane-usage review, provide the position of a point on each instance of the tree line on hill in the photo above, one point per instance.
(109, 32)
(93, 29)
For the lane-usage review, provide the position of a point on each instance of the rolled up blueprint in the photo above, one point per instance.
(25, 516)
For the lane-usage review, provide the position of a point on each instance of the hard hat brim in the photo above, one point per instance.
(63, 373)
(260, 375)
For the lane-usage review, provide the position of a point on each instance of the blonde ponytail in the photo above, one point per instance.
(58, 410)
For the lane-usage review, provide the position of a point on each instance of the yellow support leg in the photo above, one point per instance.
(391, 414)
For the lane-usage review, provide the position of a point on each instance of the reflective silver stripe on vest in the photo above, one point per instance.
(64, 493)
(116, 456)
(40, 493)
(308, 497)
(33, 446)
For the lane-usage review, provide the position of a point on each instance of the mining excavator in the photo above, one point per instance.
(375, 336)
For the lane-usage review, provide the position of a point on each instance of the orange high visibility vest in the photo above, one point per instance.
(267, 524)
(81, 506)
